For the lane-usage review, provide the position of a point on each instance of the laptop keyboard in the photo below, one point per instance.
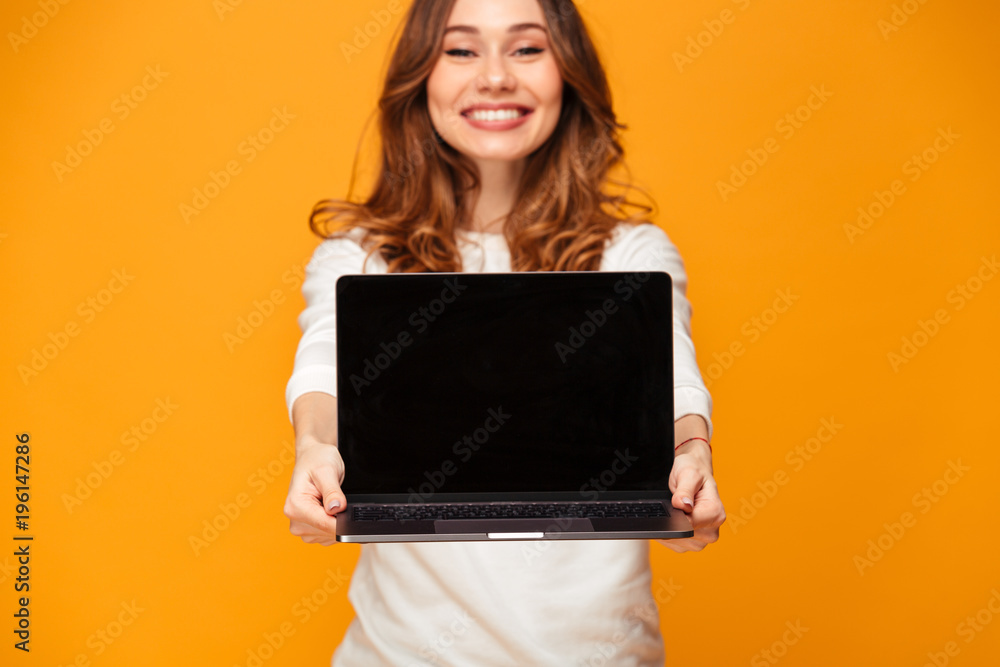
(546, 510)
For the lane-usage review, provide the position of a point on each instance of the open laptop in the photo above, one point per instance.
(506, 406)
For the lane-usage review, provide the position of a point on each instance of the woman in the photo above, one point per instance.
(498, 137)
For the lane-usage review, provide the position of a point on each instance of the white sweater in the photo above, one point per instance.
(513, 603)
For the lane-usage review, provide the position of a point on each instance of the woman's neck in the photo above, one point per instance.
(499, 181)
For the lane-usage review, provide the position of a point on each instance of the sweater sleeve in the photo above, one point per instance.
(646, 247)
(315, 366)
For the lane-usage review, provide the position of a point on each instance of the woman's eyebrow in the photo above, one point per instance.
(518, 27)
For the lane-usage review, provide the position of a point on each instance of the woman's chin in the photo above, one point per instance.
(497, 155)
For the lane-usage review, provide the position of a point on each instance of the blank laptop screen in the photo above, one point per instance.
(505, 383)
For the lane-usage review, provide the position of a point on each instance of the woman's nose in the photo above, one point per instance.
(496, 75)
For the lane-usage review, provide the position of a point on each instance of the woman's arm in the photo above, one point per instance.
(314, 494)
(314, 417)
(318, 470)
(647, 247)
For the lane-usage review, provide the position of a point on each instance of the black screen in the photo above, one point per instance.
(504, 383)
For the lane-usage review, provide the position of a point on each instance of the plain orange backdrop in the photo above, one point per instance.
(153, 395)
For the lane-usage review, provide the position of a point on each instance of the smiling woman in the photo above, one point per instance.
(498, 141)
(492, 118)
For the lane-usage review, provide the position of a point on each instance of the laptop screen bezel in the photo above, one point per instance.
(344, 311)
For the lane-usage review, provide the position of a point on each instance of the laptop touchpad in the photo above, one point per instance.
(461, 526)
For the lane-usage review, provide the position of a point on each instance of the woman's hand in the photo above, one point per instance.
(314, 495)
(695, 492)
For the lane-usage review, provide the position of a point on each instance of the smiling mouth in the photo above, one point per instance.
(495, 115)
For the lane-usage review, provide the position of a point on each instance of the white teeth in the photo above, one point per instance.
(489, 115)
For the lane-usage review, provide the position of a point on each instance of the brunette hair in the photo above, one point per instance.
(565, 211)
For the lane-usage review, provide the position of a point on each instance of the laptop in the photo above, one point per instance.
(506, 406)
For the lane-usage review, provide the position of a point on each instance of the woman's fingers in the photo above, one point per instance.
(305, 511)
(326, 479)
(310, 535)
(697, 495)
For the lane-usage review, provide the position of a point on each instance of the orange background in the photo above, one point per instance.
(789, 553)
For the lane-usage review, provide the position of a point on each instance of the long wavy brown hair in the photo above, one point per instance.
(568, 203)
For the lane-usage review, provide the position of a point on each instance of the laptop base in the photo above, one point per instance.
(676, 525)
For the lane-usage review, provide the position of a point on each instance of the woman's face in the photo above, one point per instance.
(495, 93)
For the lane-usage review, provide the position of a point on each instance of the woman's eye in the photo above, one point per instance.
(466, 53)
